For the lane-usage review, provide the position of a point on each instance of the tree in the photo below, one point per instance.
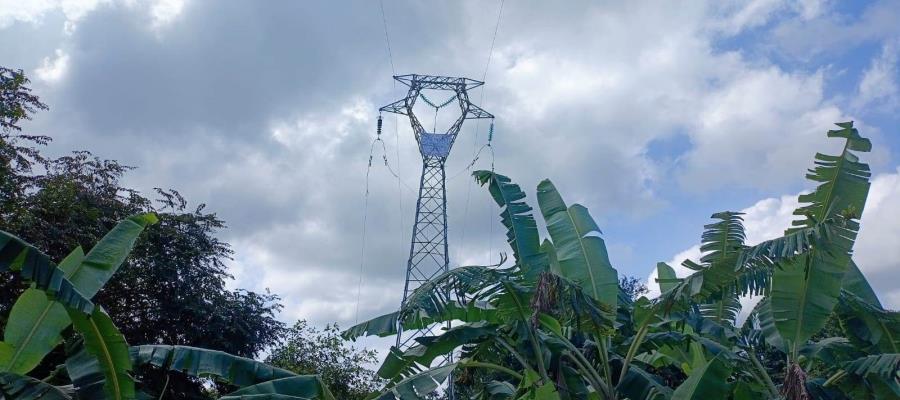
(176, 276)
(633, 287)
(16, 156)
(306, 350)
(98, 362)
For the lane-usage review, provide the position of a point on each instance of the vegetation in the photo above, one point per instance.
(343, 368)
(558, 325)
(99, 362)
(176, 274)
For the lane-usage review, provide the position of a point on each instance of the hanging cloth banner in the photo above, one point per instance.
(435, 144)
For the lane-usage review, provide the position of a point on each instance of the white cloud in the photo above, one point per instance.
(810, 9)
(879, 87)
(747, 14)
(321, 134)
(52, 70)
(269, 121)
(764, 118)
(877, 250)
(34, 11)
(823, 31)
(164, 11)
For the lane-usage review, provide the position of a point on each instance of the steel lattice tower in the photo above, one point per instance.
(428, 256)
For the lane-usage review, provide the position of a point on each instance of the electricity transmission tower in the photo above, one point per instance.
(428, 255)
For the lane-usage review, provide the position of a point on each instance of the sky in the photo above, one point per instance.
(654, 115)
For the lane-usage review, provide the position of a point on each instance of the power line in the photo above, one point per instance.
(400, 183)
(475, 150)
(387, 39)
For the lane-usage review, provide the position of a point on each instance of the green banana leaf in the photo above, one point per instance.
(665, 276)
(869, 327)
(722, 312)
(386, 325)
(37, 322)
(885, 365)
(382, 326)
(831, 351)
(428, 348)
(238, 371)
(855, 282)
(104, 342)
(763, 312)
(580, 251)
(104, 259)
(707, 382)
(416, 387)
(521, 228)
(806, 288)
(548, 249)
(721, 244)
(267, 396)
(35, 267)
(872, 377)
(639, 384)
(19, 387)
(295, 387)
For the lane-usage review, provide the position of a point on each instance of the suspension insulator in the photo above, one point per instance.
(379, 126)
(491, 132)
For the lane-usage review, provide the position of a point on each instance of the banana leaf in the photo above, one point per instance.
(35, 267)
(419, 385)
(302, 387)
(36, 322)
(19, 387)
(580, 251)
(805, 288)
(107, 375)
(237, 371)
(521, 228)
(708, 382)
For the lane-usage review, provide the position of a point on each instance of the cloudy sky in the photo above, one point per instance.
(653, 115)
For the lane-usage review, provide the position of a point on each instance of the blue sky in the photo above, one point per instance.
(652, 114)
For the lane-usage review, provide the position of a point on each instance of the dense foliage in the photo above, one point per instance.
(98, 362)
(558, 324)
(306, 350)
(176, 275)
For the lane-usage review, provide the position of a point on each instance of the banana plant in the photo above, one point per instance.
(555, 326)
(99, 362)
(540, 329)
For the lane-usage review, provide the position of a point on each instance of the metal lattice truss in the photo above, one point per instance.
(428, 256)
(434, 143)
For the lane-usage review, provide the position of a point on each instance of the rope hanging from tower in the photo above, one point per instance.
(488, 146)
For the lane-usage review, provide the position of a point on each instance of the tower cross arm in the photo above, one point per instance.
(397, 107)
(475, 112)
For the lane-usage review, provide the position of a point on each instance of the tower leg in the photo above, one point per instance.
(428, 251)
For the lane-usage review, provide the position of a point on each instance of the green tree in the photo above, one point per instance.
(633, 287)
(176, 276)
(17, 153)
(98, 362)
(306, 350)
